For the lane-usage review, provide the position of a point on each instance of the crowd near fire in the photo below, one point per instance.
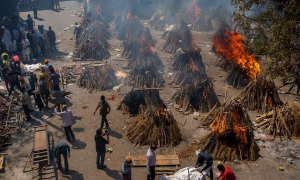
(149, 89)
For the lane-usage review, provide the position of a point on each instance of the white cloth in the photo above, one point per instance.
(26, 48)
(184, 174)
(6, 38)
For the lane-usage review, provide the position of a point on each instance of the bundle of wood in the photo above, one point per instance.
(181, 37)
(135, 43)
(190, 75)
(185, 59)
(136, 100)
(158, 21)
(282, 120)
(196, 97)
(238, 77)
(155, 125)
(128, 28)
(98, 77)
(231, 137)
(69, 73)
(260, 95)
(225, 65)
(93, 43)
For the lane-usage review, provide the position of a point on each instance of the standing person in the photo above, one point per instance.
(35, 43)
(104, 111)
(67, 118)
(16, 35)
(101, 147)
(13, 46)
(34, 8)
(44, 90)
(6, 38)
(24, 101)
(57, 5)
(30, 23)
(37, 92)
(151, 161)
(51, 39)
(26, 49)
(16, 61)
(226, 173)
(42, 43)
(54, 78)
(14, 77)
(28, 89)
(77, 32)
(59, 99)
(62, 148)
(7, 80)
(208, 160)
(5, 60)
(126, 169)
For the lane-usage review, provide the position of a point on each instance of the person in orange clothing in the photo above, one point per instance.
(226, 173)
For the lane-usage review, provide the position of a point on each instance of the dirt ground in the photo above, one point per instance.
(82, 162)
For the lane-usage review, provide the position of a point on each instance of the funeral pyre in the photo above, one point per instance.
(93, 43)
(128, 27)
(161, 20)
(135, 43)
(260, 95)
(283, 121)
(98, 77)
(229, 45)
(154, 123)
(196, 93)
(180, 37)
(231, 137)
(200, 20)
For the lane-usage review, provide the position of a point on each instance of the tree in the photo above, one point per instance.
(272, 28)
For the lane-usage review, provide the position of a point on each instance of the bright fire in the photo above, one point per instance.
(231, 47)
(194, 11)
(129, 16)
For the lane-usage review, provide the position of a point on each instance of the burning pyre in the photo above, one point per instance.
(134, 44)
(129, 27)
(98, 77)
(199, 20)
(260, 95)
(93, 43)
(231, 137)
(155, 124)
(161, 20)
(180, 37)
(230, 46)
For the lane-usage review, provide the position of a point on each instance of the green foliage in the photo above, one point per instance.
(272, 28)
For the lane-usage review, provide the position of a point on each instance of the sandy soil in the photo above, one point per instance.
(82, 161)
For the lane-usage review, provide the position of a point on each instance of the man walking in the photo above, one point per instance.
(101, 147)
(104, 111)
(151, 161)
(208, 160)
(62, 148)
(51, 39)
(126, 169)
(67, 118)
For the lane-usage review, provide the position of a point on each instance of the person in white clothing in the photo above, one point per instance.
(6, 38)
(67, 118)
(26, 49)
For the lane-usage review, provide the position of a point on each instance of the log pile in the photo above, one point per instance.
(260, 95)
(136, 42)
(283, 121)
(185, 59)
(136, 100)
(98, 77)
(93, 43)
(231, 137)
(155, 125)
(158, 21)
(181, 37)
(69, 73)
(238, 77)
(129, 27)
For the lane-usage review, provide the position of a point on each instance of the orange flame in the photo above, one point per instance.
(130, 17)
(232, 49)
(144, 45)
(194, 11)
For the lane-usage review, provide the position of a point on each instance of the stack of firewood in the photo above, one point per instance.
(128, 27)
(231, 137)
(158, 21)
(238, 77)
(260, 95)
(98, 77)
(135, 43)
(183, 59)
(69, 73)
(136, 100)
(181, 37)
(282, 120)
(93, 43)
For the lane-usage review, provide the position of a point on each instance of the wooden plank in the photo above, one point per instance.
(1, 163)
(161, 160)
(40, 140)
(264, 115)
